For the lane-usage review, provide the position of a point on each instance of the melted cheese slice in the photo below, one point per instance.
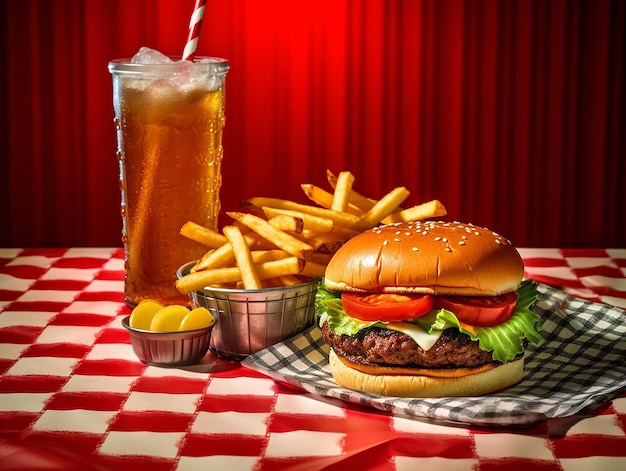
(421, 337)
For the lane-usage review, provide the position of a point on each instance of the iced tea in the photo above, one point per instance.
(169, 121)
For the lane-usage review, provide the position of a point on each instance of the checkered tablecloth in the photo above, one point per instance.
(74, 396)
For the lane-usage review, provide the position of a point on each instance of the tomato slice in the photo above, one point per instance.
(386, 307)
(480, 311)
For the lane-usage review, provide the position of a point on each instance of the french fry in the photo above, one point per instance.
(356, 199)
(309, 222)
(223, 256)
(345, 232)
(255, 241)
(431, 209)
(282, 267)
(328, 242)
(319, 196)
(313, 270)
(276, 268)
(281, 239)
(342, 219)
(307, 234)
(220, 257)
(197, 280)
(341, 195)
(325, 199)
(262, 256)
(288, 223)
(243, 257)
(384, 207)
(288, 280)
(203, 235)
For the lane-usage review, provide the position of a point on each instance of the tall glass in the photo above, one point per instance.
(169, 120)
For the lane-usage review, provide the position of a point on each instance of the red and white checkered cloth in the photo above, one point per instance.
(74, 396)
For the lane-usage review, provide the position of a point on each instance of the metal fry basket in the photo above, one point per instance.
(250, 320)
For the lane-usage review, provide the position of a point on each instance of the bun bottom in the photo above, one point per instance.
(404, 385)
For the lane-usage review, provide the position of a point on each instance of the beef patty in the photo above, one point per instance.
(375, 346)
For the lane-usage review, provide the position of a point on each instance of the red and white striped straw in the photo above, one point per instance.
(194, 30)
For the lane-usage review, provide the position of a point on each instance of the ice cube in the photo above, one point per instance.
(145, 55)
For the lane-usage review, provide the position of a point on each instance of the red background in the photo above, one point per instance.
(509, 112)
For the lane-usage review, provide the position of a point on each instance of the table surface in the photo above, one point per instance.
(74, 396)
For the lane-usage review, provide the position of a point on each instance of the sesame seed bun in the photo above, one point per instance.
(435, 257)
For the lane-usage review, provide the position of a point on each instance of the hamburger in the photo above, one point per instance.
(427, 309)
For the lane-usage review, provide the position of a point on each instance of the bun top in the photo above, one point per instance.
(447, 258)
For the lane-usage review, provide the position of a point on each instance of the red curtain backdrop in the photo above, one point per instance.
(509, 112)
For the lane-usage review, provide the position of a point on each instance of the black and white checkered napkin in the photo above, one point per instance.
(580, 365)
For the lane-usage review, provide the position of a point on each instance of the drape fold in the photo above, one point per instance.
(510, 113)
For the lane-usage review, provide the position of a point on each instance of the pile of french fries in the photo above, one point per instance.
(277, 242)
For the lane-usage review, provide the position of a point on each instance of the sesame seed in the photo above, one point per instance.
(397, 239)
(386, 242)
(448, 249)
(437, 238)
(425, 233)
(461, 242)
(445, 239)
(415, 249)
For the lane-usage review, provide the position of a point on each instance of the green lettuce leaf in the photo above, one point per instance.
(505, 341)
